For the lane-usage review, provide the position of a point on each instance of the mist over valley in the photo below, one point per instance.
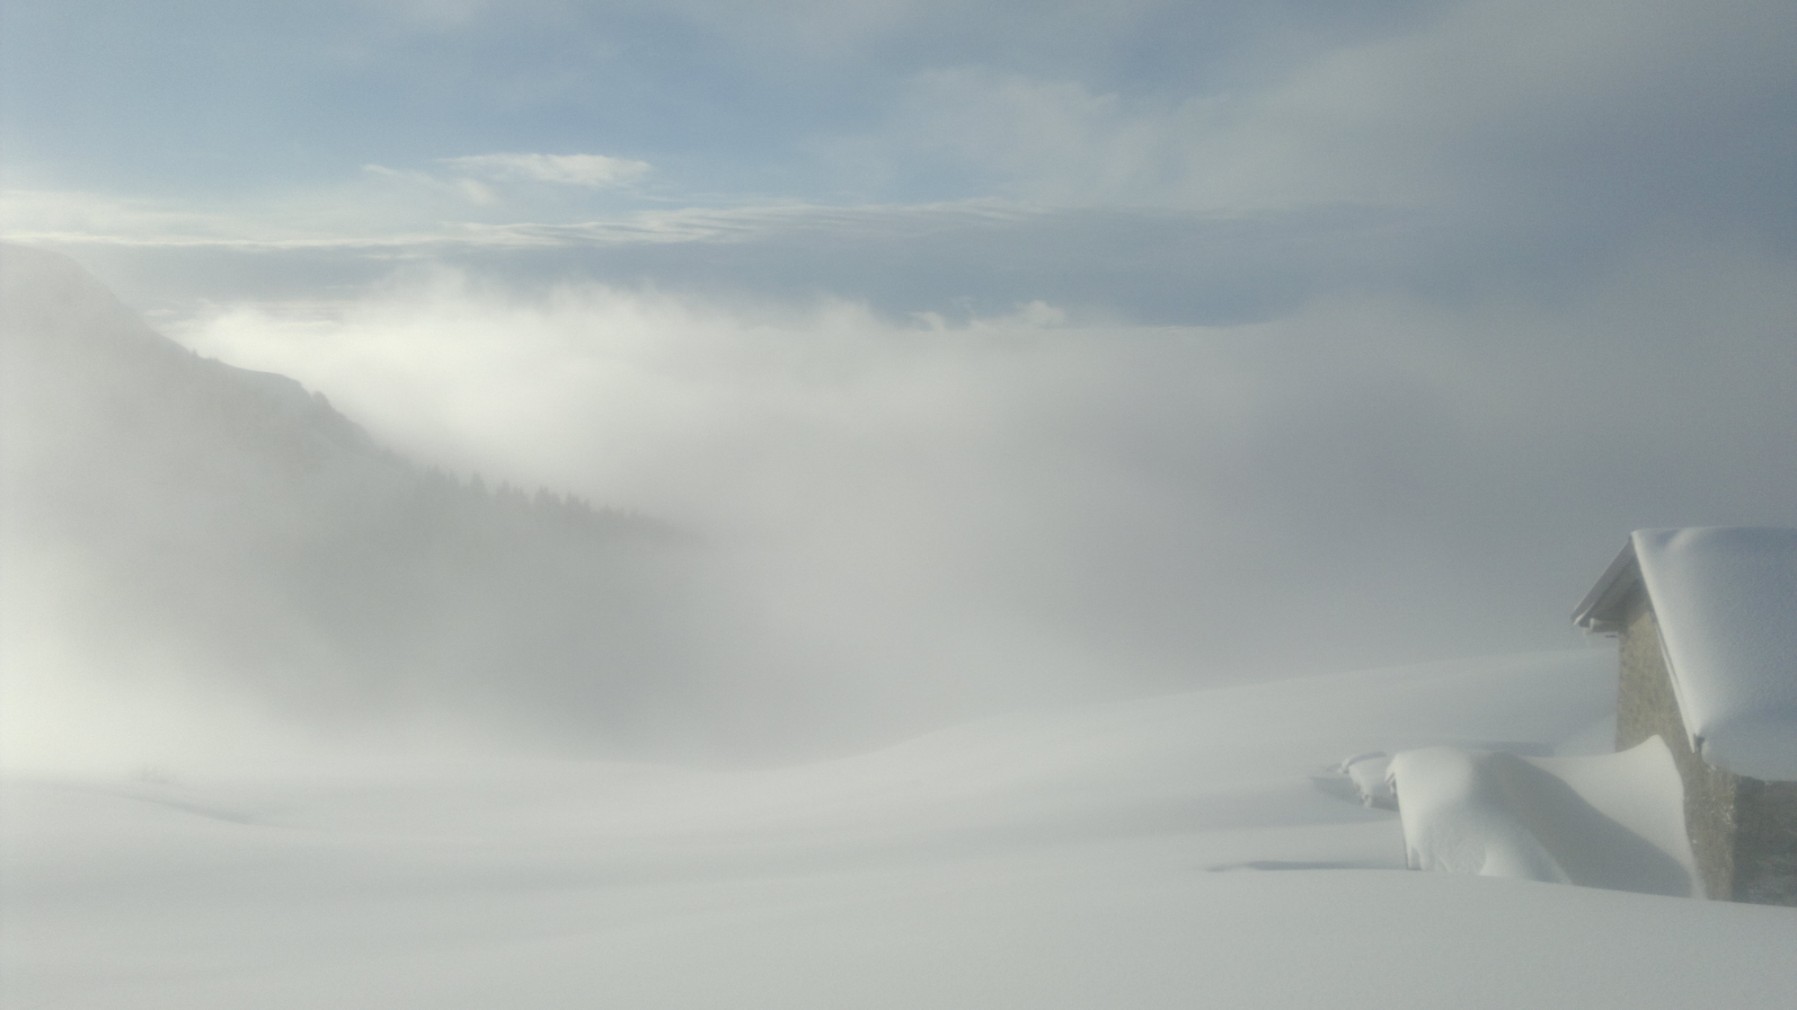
(896, 503)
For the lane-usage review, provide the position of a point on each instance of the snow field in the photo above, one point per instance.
(1168, 852)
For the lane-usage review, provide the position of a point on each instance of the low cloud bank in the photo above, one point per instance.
(921, 519)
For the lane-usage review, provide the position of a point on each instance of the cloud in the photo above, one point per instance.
(470, 190)
(395, 207)
(597, 171)
(1530, 107)
(949, 515)
(1494, 110)
(1038, 140)
(70, 215)
(1068, 346)
(952, 258)
(1500, 142)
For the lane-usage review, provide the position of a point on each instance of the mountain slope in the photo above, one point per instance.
(171, 517)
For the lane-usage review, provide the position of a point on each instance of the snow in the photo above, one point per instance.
(1604, 820)
(1371, 778)
(1169, 852)
(1726, 600)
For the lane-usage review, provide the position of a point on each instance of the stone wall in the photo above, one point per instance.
(1645, 706)
(1766, 842)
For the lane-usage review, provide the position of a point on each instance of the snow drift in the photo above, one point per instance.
(1604, 820)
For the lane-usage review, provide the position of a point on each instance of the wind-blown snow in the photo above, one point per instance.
(1119, 856)
(1603, 820)
(1726, 600)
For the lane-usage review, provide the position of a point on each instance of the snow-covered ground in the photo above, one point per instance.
(1604, 820)
(1184, 851)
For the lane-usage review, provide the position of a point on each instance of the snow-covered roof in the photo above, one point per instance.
(1726, 601)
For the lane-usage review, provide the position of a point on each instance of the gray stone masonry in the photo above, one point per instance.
(1766, 842)
(1645, 706)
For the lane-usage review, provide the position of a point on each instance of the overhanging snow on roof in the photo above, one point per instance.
(1726, 602)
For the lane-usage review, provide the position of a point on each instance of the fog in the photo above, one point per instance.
(916, 362)
(890, 523)
(1368, 480)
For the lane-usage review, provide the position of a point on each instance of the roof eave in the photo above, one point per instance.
(1604, 608)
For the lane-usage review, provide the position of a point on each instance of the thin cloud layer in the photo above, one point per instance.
(595, 170)
(1499, 142)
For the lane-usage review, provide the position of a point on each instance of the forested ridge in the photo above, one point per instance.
(171, 515)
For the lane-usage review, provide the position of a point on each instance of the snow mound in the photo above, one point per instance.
(1612, 820)
(1370, 774)
(1726, 599)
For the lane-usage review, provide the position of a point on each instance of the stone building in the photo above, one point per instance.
(1707, 621)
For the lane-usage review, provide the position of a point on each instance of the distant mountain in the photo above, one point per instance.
(167, 515)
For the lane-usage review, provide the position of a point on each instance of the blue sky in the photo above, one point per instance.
(1427, 145)
(737, 96)
(1160, 321)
